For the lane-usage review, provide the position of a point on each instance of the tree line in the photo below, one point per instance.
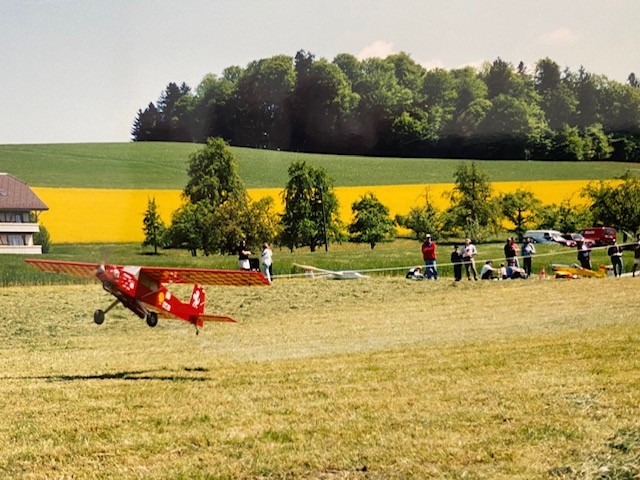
(395, 107)
(217, 212)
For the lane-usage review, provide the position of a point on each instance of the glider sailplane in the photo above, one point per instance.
(143, 289)
(331, 274)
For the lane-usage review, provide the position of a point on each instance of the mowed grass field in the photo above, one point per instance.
(379, 378)
(373, 379)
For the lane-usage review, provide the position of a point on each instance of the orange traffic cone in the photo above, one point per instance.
(543, 274)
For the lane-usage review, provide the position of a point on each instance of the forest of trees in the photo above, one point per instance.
(395, 107)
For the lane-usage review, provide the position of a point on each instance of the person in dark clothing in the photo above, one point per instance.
(456, 259)
(511, 251)
(636, 256)
(584, 255)
(615, 253)
(243, 256)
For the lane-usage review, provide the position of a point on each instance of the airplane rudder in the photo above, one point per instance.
(198, 298)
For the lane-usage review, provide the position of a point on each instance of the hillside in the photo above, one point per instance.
(151, 165)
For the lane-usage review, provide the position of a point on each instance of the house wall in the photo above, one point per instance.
(16, 233)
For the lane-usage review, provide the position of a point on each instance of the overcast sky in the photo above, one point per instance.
(79, 70)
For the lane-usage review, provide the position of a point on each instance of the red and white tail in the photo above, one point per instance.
(197, 303)
(197, 299)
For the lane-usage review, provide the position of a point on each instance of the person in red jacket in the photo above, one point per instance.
(429, 256)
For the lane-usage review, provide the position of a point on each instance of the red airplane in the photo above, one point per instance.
(143, 289)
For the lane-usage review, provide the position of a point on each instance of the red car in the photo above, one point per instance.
(600, 235)
(572, 239)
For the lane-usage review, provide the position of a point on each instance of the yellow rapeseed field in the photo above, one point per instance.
(84, 215)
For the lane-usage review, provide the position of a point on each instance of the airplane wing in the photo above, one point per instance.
(160, 274)
(332, 274)
(76, 269)
(202, 276)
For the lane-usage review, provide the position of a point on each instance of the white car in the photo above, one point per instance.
(544, 236)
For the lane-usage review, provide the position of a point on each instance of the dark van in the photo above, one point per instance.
(600, 235)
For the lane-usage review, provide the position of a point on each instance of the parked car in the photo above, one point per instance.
(543, 236)
(572, 239)
(600, 235)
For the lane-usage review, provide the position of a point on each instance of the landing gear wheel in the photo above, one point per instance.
(152, 319)
(98, 317)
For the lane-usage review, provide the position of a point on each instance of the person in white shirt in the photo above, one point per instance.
(528, 250)
(488, 272)
(468, 252)
(267, 261)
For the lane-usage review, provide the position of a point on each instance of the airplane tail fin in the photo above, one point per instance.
(198, 317)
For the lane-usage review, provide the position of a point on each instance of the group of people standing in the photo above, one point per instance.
(511, 250)
(266, 259)
(615, 253)
(459, 258)
(464, 257)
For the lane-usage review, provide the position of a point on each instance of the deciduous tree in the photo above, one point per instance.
(310, 208)
(371, 223)
(473, 211)
(423, 219)
(520, 208)
(568, 216)
(616, 204)
(213, 175)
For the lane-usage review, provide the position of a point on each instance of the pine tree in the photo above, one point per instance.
(153, 226)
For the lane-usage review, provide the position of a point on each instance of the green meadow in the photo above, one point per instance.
(371, 379)
(319, 379)
(387, 259)
(163, 166)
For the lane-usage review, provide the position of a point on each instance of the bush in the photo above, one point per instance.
(43, 238)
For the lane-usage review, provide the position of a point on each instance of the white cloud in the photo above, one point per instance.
(432, 64)
(560, 36)
(379, 49)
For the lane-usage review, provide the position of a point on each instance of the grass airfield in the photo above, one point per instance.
(379, 378)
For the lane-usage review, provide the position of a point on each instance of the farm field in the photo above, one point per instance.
(380, 378)
(72, 215)
(162, 166)
(78, 180)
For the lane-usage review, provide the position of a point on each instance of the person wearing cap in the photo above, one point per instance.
(429, 256)
(469, 251)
